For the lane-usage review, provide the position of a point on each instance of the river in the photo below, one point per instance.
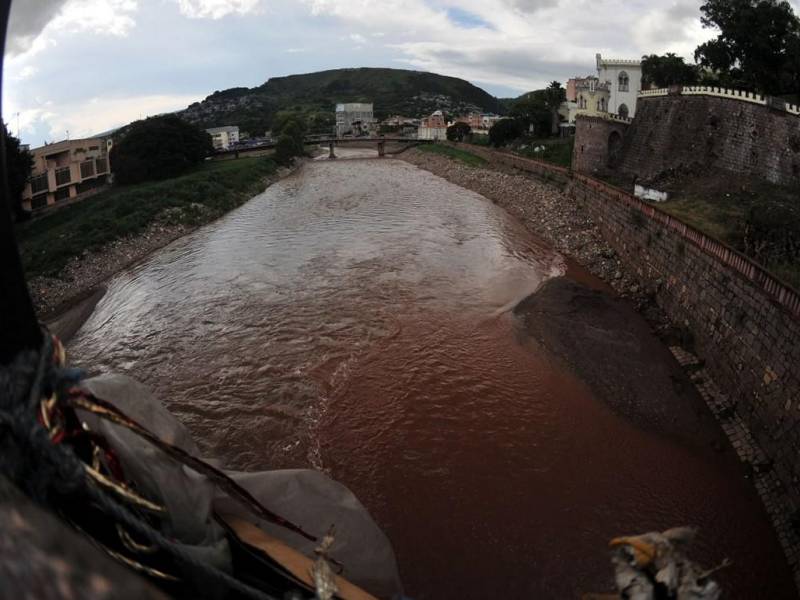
(357, 317)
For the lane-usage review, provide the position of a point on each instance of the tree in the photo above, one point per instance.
(458, 131)
(19, 163)
(158, 148)
(295, 128)
(554, 95)
(757, 46)
(667, 70)
(505, 131)
(532, 109)
(285, 150)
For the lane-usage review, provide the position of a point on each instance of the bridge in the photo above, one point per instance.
(331, 142)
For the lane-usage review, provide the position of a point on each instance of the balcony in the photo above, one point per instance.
(63, 176)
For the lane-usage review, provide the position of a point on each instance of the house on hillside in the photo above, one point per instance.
(433, 127)
(624, 78)
(67, 170)
(224, 137)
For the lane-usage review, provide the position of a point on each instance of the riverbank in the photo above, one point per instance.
(68, 254)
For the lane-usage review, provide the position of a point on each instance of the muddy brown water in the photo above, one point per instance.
(357, 317)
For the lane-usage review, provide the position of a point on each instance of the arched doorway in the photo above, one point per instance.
(623, 111)
(614, 148)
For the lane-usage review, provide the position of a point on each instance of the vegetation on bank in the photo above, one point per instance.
(557, 151)
(458, 154)
(206, 192)
(757, 218)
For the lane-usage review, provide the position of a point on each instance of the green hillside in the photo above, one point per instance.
(392, 91)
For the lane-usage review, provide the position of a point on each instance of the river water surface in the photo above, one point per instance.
(356, 317)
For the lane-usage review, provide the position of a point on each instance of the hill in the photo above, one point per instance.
(392, 91)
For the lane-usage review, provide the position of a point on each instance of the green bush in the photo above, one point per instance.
(505, 131)
(285, 150)
(158, 148)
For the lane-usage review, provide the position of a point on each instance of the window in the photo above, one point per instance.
(39, 201)
(87, 169)
(623, 111)
(62, 176)
(102, 165)
(62, 194)
(624, 82)
(39, 184)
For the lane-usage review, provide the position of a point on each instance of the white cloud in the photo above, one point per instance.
(216, 9)
(357, 38)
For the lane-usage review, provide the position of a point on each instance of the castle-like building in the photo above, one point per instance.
(624, 79)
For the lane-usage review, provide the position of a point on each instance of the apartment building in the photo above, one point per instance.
(224, 137)
(67, 170)
(355, 118)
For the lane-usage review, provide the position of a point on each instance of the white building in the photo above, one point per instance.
(354, 118)
(625, 81)
(224, 137)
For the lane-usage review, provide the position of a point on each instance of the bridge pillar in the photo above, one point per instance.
(381, 149)
(331, 153)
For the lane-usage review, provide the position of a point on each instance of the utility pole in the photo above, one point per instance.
(19, 133)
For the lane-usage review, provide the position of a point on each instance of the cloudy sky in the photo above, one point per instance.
(85, 66)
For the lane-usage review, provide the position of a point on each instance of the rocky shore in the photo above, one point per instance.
(85, 274)
(548, 214)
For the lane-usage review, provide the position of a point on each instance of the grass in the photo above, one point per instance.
(454, 153)
(755, 217)
(208, 191)
(557, 151)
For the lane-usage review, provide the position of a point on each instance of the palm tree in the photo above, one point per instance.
(554, 96)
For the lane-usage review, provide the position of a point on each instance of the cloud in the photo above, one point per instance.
(216, 9)
(27, 21)
(31, 20)
(357, 38)
(88, 117)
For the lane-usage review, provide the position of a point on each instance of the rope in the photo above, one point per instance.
(51, 474)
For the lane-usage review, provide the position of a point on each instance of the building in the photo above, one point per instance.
(593, 96)
(479, 122)
(433, 127)
(67, 170)
(224, 137)
(624, 78)
(355, 118)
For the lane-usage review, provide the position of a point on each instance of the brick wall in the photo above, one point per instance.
(698, 132)
(744, 321)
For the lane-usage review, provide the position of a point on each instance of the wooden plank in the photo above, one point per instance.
(293, 561)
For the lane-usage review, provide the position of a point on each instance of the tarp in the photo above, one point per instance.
(306, 497)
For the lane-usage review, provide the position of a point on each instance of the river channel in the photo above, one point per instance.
(357, 317)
